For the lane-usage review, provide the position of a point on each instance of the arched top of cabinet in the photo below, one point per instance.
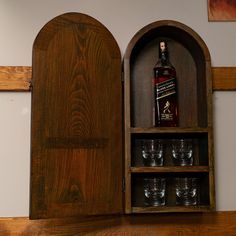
(173, 30)
(82, 24)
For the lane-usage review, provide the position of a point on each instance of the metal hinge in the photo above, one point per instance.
(123, 185)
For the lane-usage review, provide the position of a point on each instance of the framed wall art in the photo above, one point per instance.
(222, 10)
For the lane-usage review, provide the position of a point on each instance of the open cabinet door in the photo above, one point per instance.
(76, 136)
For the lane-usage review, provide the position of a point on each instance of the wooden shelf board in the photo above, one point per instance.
(159, 209)
(166, 169)
(137, 130)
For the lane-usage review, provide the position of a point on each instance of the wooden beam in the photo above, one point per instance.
(15, 78)
(224, 78)
(215, 223)
(18, 78)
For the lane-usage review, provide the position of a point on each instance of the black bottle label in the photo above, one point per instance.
(166, 88)
(166, 107)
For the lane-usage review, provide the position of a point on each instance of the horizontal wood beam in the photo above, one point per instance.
(215, 223)
(18, 78)
(15, 78)
(224, 78)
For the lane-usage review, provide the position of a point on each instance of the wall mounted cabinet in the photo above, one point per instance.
(81, 138)
(191, 58)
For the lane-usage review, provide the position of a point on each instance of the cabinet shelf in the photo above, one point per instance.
(160, 130)
(169, 169)
(198, 208)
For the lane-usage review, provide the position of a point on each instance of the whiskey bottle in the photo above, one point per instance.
(165, 90)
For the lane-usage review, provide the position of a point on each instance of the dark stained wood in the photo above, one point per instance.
(15, 78)
(190, 67)
(142, 86)
(165, 130)
(171, 208)
(169, 169)
(217, 224)
(190, 56)
(76, 156)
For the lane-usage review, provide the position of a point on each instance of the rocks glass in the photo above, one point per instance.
(154, 191)
(152, 152)
(182, 152)
(186, 190)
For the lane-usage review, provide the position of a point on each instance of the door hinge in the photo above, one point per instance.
(123, 185)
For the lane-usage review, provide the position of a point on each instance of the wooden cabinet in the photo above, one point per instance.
(78, 144)
(191, 58)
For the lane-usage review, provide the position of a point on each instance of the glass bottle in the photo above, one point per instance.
(165, 90)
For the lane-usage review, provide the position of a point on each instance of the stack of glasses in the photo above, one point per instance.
(186, 188)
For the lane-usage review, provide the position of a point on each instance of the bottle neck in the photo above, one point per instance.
(163, 52)
(164, 56)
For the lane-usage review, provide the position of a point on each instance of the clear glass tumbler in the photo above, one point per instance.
(182, 152)
(152, 152)
(154, 191)
(186, 190)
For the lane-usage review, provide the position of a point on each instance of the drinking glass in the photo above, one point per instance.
(186, 190)
(154, 191)
(152, 152)
(182, 152)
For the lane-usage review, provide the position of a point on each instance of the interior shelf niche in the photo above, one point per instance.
(190, 56)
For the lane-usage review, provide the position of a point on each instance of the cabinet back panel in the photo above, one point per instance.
(142, 90)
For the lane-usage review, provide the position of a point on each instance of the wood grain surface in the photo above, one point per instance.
(15, 78)
(194, 224)
(76, 145)
(18, 78)
(224, 78)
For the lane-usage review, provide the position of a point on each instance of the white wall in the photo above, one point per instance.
(20, 21)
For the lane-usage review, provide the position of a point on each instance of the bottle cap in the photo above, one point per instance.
(163, 50)
(162, 46)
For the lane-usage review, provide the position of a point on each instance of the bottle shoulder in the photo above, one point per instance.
(164, 67)
(164, 64)
(166, 70)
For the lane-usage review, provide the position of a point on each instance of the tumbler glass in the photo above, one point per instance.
(154, 191)
(182, 152)
(152, 152)
(186, 190)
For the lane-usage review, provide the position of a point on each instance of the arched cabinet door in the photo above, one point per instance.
(76, 135)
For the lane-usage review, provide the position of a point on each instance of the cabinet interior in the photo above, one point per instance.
(190, 57)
